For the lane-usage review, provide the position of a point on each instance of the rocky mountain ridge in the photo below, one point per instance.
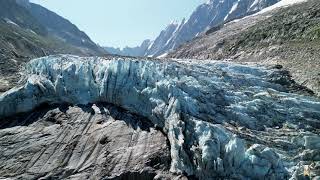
(63, 29)
(29, 31)
(207, 15)
(283, 36)
(130, 51)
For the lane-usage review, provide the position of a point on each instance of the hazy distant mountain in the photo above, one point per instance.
(130, 51)
(207, 15)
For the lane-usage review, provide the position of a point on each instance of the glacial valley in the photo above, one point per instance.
(117, 117)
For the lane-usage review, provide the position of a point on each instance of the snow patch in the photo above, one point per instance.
(281, 4)
(163, 55)
(233, 8)
(11, 22)
(254, 4)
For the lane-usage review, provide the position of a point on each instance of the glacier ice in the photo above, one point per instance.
(200, 105)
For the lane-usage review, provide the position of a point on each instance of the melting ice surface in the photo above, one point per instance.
(200, 105)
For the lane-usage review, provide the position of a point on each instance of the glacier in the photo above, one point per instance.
(223, 120)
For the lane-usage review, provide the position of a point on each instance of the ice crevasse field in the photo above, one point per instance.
(221, 118)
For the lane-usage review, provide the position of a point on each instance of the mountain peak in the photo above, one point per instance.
(205, 16)
(174, 22)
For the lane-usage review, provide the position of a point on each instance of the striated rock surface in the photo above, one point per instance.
(221, 120)
(81, 142)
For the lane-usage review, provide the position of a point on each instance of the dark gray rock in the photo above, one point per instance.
(81, 142)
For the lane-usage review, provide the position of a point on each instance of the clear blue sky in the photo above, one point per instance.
(120, 23)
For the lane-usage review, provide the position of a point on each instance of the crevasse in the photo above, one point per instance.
(194, 102)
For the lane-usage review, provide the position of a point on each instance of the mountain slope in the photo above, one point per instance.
(163, 39)
(207, 15)
(290, 37)
(21, 16)
(24, 36)
(210, 14)
(63, 29)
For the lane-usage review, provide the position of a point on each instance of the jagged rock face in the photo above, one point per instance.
(162, 39)
(207, 15)
(222, 120)
(204, 17)
(79, 142)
